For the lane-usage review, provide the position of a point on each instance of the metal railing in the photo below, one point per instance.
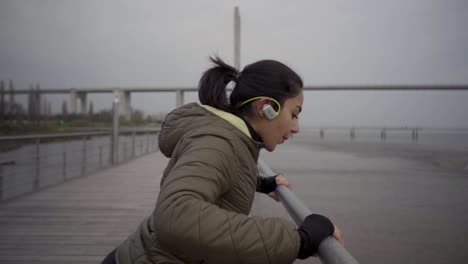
(30, 163)
(413, 132)
(329, 251)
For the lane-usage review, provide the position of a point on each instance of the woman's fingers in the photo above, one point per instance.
(281, 180)
(338, 235)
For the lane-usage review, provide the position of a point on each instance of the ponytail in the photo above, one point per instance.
(212, 86)
(268, 78)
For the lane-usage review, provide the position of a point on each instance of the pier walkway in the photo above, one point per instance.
(83, 219)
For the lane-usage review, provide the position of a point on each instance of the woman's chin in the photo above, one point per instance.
(270, 147)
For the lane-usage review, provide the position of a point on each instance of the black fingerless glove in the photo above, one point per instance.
(266, 184)
(312, 232)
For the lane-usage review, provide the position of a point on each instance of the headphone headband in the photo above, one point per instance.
(261, 97)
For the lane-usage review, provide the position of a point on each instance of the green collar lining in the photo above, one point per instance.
(234, 120)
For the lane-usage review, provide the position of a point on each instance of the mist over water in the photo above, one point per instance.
(443, 139)
(396, 201)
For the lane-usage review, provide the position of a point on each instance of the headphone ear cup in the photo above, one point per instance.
(269, 112)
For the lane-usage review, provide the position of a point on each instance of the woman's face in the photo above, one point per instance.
(278, 130)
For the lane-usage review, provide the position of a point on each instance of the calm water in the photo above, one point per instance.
(449, 139)
(396, 201)
(59, 161)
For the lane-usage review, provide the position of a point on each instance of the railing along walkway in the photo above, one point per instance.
(83, 219)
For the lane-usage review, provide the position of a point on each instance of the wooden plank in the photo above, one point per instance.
(82, 220)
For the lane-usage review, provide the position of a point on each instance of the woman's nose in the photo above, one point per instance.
(295, 127)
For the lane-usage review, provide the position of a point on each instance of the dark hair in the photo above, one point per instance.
(263, 78)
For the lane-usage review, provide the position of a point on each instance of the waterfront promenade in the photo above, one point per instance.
(83, 219)
(395, 203)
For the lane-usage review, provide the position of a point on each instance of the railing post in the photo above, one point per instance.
(100, 156)
(383, 134)
(179, 98)
(36, 181)
(414, 134)
(111, 150)
(329, 250)
(114, 146)
(322, 133)
(141, 146)
(84, 158)
(352, 133)
(125, 150)
(133, 143)
(1, 181)
(147, 143)
(64, 163)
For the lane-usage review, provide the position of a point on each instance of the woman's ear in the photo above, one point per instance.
(259, 106)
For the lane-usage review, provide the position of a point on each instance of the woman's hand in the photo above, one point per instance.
(280, 180)
(313, 230)
(338, 235)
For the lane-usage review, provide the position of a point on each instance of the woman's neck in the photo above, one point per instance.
(253, 132)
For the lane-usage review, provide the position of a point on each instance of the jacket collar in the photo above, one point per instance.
(254, 135)
(238, 122)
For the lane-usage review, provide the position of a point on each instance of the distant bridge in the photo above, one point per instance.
(124, 93)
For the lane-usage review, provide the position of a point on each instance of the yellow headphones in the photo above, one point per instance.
(267, 109)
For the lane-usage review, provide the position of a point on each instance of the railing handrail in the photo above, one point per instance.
(75, 134)
(329, 251)
(354, 87)
(86, 158)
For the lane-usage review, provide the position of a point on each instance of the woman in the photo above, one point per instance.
(208, 186)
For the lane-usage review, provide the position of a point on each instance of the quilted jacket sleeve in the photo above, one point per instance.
(191, 226)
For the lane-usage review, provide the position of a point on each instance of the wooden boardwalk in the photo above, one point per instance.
(385, 197)
(80, 221)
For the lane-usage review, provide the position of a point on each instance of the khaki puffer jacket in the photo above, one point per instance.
(207, 191)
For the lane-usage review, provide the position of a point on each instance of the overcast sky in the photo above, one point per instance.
(69, 43)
